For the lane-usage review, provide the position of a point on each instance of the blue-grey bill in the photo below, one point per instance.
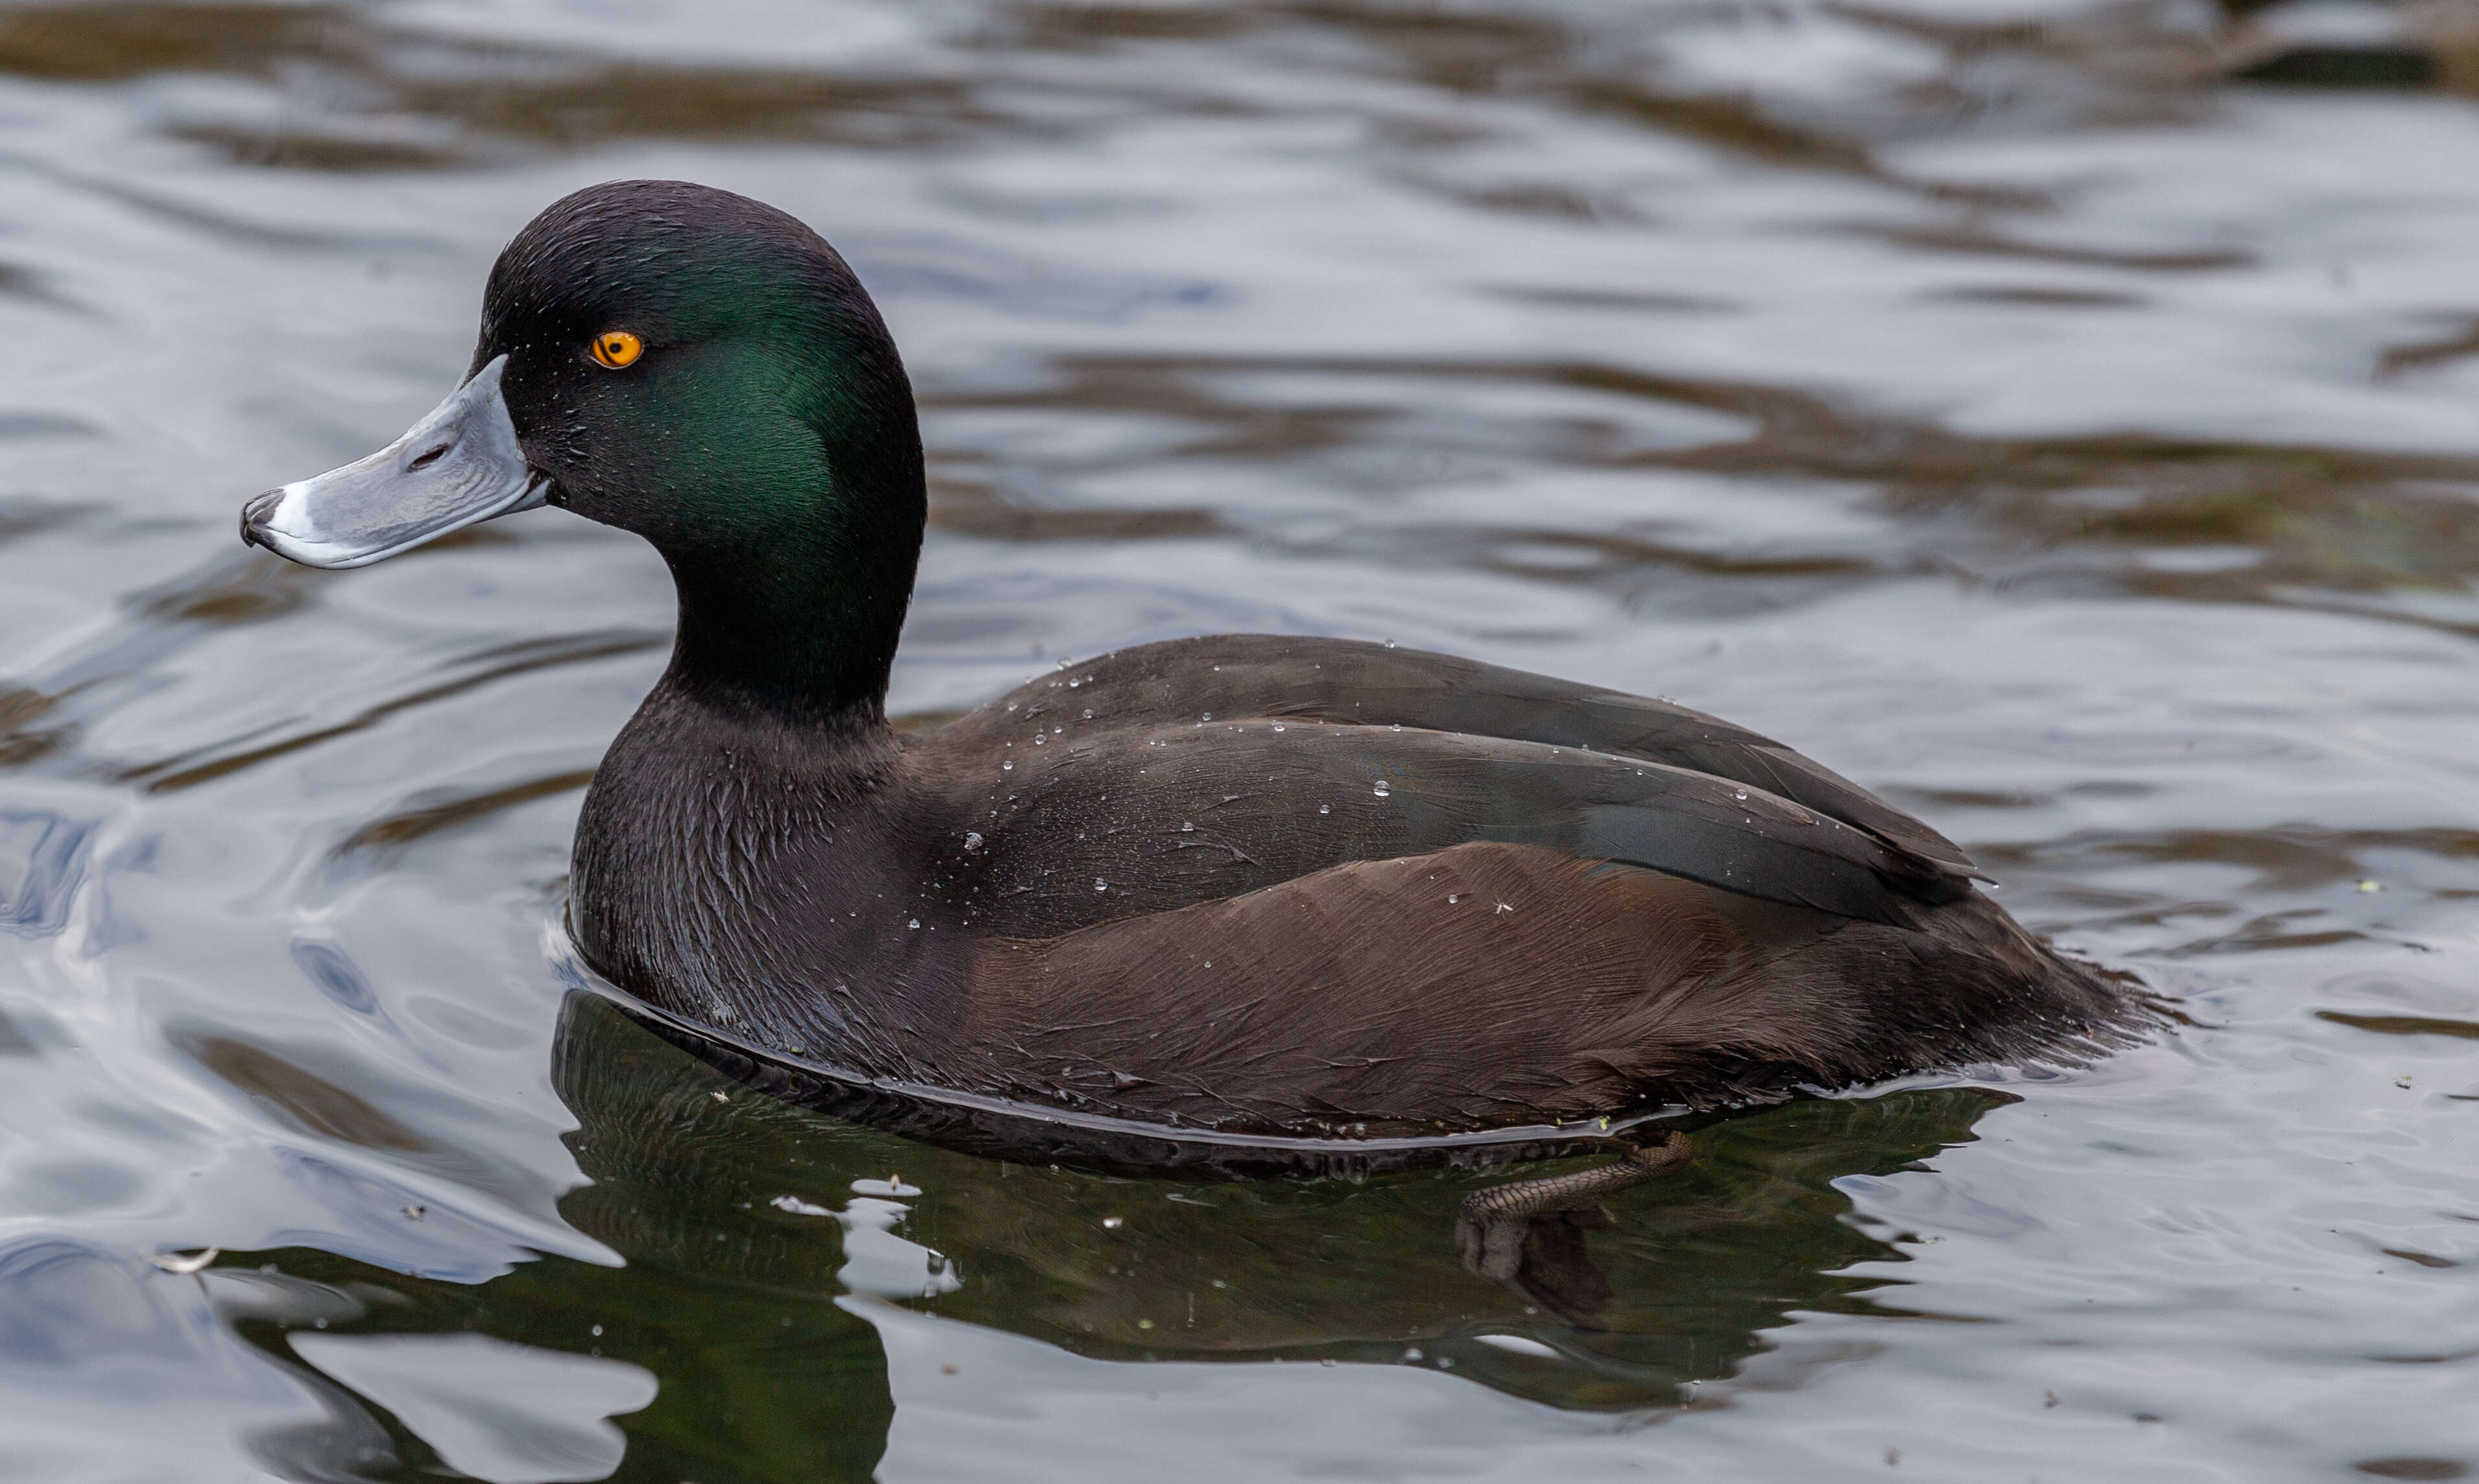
(459, 466)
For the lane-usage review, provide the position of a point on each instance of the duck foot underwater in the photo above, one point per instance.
(1529, 1234)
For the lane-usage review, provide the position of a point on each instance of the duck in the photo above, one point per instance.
(1258, 884)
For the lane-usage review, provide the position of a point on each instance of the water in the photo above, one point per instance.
(1981, 398)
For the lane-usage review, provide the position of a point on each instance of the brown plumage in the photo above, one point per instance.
(1089, 893)
(1280, 887)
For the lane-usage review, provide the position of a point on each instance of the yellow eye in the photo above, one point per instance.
(618, 349)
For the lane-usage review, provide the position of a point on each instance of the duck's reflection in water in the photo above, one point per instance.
(741, 1205)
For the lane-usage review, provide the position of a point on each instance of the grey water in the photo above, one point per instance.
(1996, 400)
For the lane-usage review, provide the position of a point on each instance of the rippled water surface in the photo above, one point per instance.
(1985, 397)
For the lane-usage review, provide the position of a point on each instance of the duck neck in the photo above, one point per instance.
(800, 616)
(800, 636)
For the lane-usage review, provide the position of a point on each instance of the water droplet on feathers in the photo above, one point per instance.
(972, 840)
(913, 922)
(1186, 827)
(1383, 789)
(1007, 767)
(1326, 808)
(1741, 794)
(1089, 713)
(1100, 884)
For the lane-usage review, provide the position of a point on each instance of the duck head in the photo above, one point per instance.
(700, 369)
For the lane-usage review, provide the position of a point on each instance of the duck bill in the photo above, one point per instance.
(457, 467)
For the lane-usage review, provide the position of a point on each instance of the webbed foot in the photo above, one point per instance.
(1529, 1234)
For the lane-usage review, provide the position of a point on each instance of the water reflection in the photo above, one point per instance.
(693, 1171)
(778, 1262)
(86, 1334)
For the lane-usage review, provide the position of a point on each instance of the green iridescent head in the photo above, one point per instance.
(696, 367)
